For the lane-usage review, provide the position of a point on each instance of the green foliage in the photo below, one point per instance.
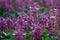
(42, 10)
(7, 35)
(28, 35)
(45, 31)
(45, 36)
(53, 38)
(5, 13)
(26, 10)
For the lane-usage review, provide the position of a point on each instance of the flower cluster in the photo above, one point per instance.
(25, 23)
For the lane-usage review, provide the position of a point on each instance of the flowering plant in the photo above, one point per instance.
(29, 20)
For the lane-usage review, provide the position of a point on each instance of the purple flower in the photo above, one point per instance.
(8, 7)
(49, 3)
(19, 4)
(37, 33)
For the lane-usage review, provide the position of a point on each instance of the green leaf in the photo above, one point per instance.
(41, 11)
(42, 38)
(53, 38)
(25, 10)
(12, 38)
(7, 35)
(46, 35)
(45, 31)
(28, 35)
(47, 38)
